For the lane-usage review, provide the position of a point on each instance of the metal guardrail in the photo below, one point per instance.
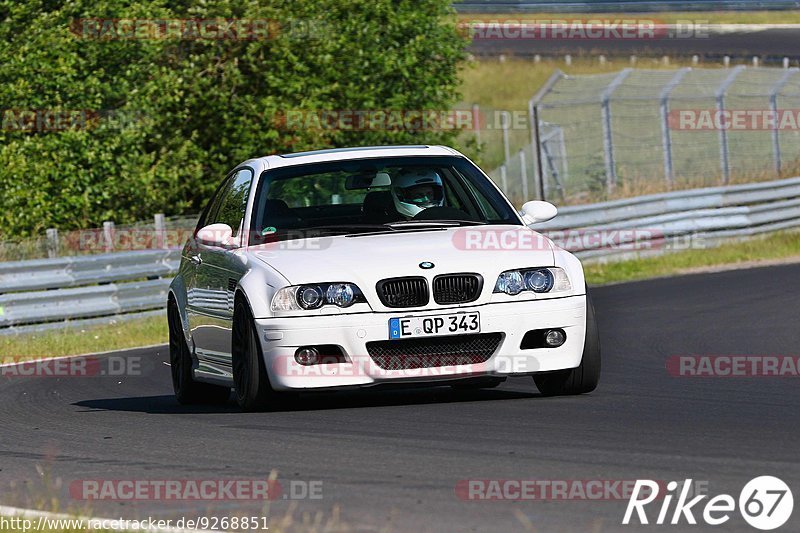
(49, 294)
(46, 293)
(660, 223)
(74, 271)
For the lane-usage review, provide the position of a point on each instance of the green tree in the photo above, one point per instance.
(169, 117)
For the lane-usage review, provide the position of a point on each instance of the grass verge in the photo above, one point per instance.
(784, 245)
(91, 339)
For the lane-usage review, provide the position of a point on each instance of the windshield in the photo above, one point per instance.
(369, 195)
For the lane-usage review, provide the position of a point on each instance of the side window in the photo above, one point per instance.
(233, 202)
(207, 215)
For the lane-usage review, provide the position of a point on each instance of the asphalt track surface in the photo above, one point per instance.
(769, 44)
(392, 459)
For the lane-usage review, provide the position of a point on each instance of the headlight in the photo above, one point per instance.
(510, 282)
(307, 297)
(341, 294)
(539, 280)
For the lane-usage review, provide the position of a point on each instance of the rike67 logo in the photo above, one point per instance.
(765, 503)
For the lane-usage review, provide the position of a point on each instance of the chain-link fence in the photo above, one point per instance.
(642, 131)
(160, 232)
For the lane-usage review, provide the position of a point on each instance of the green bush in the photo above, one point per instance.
(169, 117)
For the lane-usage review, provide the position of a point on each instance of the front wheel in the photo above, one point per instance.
(250, 379)
(585, 377)
(187, 390)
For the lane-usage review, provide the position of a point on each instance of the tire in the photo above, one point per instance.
(187, 390)
(250, 379)
(585, 377)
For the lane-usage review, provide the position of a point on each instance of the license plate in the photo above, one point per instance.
(430, 326)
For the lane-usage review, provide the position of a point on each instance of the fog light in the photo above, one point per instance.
(307, 356)
(554, 338)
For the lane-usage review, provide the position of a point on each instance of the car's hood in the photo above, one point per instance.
(365, 259)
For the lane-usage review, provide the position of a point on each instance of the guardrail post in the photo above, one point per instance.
(108, 236)
(52, 242)
(723, 131)
(161, 231)
(608, 141)
(504, 178)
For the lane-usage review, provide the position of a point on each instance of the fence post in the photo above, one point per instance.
(773, 107)
(505, 118)
(723, 132)
(504, 178)
(52, 242)
(108, 236)
(476, 123)
(523, 174)
(161, 231)
(536, 145)
(666, 136)
(608, 142)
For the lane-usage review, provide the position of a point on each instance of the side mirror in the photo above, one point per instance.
(215, 235)
(538, 211)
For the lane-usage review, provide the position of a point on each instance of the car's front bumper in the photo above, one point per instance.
(281, 337)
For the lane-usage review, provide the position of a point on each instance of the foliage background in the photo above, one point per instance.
(192, 109)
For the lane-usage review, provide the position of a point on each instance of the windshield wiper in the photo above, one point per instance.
(435, 223)
(346, 228)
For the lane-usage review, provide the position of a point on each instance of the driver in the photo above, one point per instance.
(416, 191)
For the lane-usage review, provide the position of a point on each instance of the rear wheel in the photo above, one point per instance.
(251, 382)
(187, 390)
(585, 377)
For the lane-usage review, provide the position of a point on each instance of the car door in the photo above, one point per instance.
(218, 270)
(196, 289)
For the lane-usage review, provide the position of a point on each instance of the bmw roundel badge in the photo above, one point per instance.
(426, 265)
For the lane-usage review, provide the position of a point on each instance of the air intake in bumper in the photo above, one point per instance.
(431, 352)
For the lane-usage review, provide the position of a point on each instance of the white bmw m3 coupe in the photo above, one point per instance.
(361, 267)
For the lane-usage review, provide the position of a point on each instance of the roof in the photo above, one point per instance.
(359, 152)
